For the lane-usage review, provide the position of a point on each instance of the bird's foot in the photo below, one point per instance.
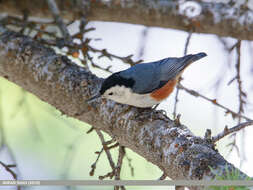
(150, 113)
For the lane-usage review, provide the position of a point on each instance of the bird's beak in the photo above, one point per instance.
(93, 98)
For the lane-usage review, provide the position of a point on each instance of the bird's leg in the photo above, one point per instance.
(159, 111)
(155, 106)
(144, 113)
(151, 113)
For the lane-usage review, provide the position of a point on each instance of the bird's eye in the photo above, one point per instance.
(110, 93)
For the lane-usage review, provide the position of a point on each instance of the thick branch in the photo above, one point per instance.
(54, 79)
(223, 19)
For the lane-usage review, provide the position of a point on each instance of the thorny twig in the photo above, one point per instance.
(119, 166)
(108, 154)
(105, 53)
(59, 21)
(115, 169)
(109, 174)
(143, 42)
(213, 101)
(113, 146)
(73, 47)
(94, 165)
(120, 161)
(187, 42)
(90, 130)
(241, 97)
(8, 167)
(163, 176)
(226, 131)
(84, 47)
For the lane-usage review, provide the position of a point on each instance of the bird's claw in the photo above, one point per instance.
(151, 114)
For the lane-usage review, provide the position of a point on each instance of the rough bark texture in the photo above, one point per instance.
(223, 19)
(54, 79)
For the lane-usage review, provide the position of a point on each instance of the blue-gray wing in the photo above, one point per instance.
(145, 76)
(152, 76)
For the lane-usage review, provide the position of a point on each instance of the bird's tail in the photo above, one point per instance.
(175, 66)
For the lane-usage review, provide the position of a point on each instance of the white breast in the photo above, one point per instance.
(126, 96)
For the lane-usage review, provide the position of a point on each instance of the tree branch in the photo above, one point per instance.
(55, 79)
(227, 131)
(213, 101)
(223, 19)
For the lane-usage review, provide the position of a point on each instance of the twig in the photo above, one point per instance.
(115, 169)
(56, 14)
(8, 169)
(73, 48)
(227, 131)
(176, 99)
(242, 94)
(93, 166)
(90, 130)
(108, 154)
(187, 42)
(120, 161)
(109, 142)
(213, 101)
(233, 145)
(109, 174)
(105, 53)
(25, 19)
(113, 146)
(119, 166)
(143, 42)
(163, 177)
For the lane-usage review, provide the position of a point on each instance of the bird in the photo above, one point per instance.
(145, 85)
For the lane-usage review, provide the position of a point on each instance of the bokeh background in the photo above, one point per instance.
(47, 145)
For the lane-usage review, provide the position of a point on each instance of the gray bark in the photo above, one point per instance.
(223, 19)
(55, 79)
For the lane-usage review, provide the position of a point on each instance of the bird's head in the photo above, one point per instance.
(114, 87)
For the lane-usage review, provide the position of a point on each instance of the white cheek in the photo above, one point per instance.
(126, 96)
